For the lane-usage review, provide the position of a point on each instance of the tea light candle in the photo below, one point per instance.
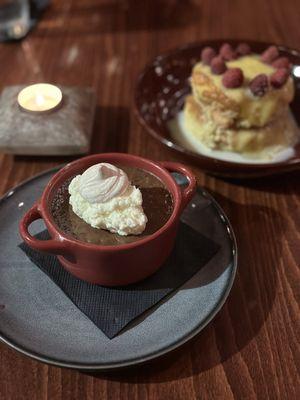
(40, 97)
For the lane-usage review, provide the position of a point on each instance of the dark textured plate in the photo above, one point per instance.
(37, 319)
(160, 93)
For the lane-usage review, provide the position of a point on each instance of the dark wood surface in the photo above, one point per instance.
(251, 349)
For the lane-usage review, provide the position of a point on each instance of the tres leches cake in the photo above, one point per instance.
(240, 101)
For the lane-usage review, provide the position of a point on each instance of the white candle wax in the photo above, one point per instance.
(40, 97)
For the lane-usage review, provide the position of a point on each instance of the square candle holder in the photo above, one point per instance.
(66, 130)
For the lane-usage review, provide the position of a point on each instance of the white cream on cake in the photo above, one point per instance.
(271, 154)
(105, 199)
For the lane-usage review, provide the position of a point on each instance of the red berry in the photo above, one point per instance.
(227, 52)
(259, 85)
(218, 66)
(233, 78)
(207, 54)
(270, 54)
(281, 62)
(243, 49)
(279, 78)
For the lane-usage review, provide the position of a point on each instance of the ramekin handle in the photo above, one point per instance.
(189, 191)
(54, 246)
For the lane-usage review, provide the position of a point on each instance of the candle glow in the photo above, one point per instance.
(40, 97)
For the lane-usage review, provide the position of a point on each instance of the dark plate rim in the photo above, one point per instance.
(139, 360)
(245, 168)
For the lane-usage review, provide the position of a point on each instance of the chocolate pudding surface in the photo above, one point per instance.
(157, 205)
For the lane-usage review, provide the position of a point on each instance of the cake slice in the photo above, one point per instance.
(211, 130)
(243, 107)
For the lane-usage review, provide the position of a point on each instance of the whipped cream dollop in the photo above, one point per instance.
(102, 182)
(104, 198)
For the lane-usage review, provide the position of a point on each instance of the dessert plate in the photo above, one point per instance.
(159, 97)
(37, 318)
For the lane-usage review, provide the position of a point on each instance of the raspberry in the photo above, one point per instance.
(279, 78)
(270, 54)
(243, 49)
(227, 52)
(233, 78)
(281, 62)
(207, 54)
(259, 85)
(218, 66)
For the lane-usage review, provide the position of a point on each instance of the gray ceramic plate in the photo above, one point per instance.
(37, 319)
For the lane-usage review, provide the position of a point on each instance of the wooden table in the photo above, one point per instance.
(251, 349)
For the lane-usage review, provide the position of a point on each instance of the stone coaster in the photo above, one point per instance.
(64, 131)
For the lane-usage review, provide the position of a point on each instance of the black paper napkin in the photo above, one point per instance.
(111, 309)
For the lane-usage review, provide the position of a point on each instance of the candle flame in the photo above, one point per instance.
(39, 98)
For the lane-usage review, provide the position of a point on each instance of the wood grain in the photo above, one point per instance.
(251, 349)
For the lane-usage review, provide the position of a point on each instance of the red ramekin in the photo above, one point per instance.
(110, 265)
